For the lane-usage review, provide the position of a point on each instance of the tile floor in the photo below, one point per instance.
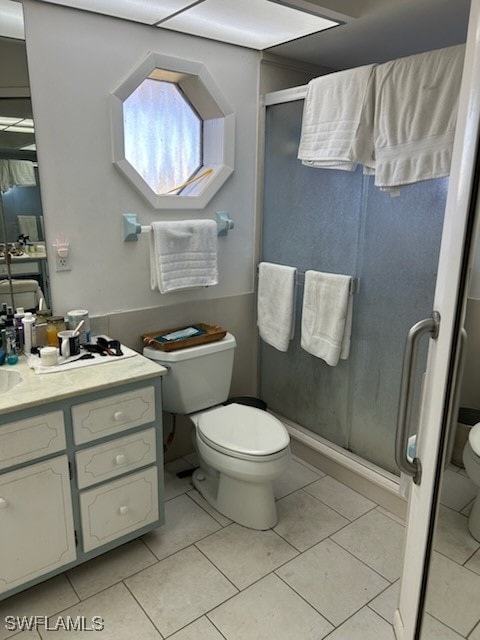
(329, 569)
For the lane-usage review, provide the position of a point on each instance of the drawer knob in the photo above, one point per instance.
(118, 415)
(120, 459)
(3, 503)
(123, 510)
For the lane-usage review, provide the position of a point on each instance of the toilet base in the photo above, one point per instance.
(472, 467)
(250, 504)
(474, 519)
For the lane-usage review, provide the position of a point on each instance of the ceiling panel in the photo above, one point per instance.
(147, 11)
(11, 20)
(250, 23)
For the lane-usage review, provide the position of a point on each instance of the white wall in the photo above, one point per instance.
(75, 60)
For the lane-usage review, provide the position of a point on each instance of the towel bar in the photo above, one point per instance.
(354, 284)
(132, 228)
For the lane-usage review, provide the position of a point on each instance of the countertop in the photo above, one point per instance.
(37, 389)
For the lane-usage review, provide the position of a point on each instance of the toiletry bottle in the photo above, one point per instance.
(11, 342)
(29, 332)
(54, 325)
(41, 319)
(17, 322)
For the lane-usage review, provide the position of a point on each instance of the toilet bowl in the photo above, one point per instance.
(471, 460)
(242, 450)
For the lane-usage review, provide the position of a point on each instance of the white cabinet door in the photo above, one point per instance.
(36, 522)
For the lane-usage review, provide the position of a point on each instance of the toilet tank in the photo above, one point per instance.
(198, 377)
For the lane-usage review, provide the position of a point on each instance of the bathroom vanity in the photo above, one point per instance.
(81, 465)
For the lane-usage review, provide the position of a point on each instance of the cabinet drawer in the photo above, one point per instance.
(119, 507)
(108, 460)
(110, 415)
(31, 438)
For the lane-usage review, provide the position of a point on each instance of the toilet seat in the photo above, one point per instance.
(474, 439)
(243, 432)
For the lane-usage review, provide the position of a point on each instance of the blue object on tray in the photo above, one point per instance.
(181, 334)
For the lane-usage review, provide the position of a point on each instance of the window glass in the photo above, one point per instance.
(162, 135)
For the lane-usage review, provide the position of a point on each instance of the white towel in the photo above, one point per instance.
(5, 177)
(28, 226)
(327, 316)
(415, 116)
(337, 125)
(22, 173)
(18, 173)
(183, 254)
(276, 304)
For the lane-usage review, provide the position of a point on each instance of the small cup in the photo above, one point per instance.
(48, 356)
(68, 344)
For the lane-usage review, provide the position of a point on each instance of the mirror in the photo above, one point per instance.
(23, 259)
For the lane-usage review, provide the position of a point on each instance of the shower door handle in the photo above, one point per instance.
(428, 325)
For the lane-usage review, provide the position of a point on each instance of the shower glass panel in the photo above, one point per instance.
(339, 222)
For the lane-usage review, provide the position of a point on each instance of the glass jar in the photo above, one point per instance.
(54, 325)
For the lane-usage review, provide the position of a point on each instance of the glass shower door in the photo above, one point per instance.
(440, 584)
(339, 222)
(311, 221)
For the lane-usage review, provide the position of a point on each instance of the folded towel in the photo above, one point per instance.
(327, 316)
(183, 254)
(276, 304)
(337, 120)
(415, 116)
(27, 293)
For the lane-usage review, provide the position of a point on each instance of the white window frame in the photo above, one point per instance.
(218, 129)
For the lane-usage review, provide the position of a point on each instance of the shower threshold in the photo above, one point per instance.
(363, 476)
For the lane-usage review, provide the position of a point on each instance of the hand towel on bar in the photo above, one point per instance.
(183, 254)
(276, 304)
(415, 115)
(337, 124)
(327, 316)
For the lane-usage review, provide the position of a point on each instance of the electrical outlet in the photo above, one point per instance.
(62, 263)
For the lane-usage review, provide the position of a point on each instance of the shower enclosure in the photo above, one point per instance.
(338, 221)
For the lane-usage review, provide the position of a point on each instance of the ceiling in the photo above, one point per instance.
(369, 30)
(387, 31)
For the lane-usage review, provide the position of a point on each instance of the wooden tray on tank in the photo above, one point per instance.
(212, 334)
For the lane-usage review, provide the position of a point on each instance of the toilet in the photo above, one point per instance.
(241, 449)
(471, 460)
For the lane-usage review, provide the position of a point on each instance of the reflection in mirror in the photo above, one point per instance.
(23, 261)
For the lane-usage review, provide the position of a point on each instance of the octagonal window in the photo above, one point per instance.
(163, 135)
(173, 132)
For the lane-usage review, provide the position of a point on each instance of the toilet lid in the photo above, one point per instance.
(242, 429)
(474, 439)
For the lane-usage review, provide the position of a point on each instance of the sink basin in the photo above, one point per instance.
(8, 379)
